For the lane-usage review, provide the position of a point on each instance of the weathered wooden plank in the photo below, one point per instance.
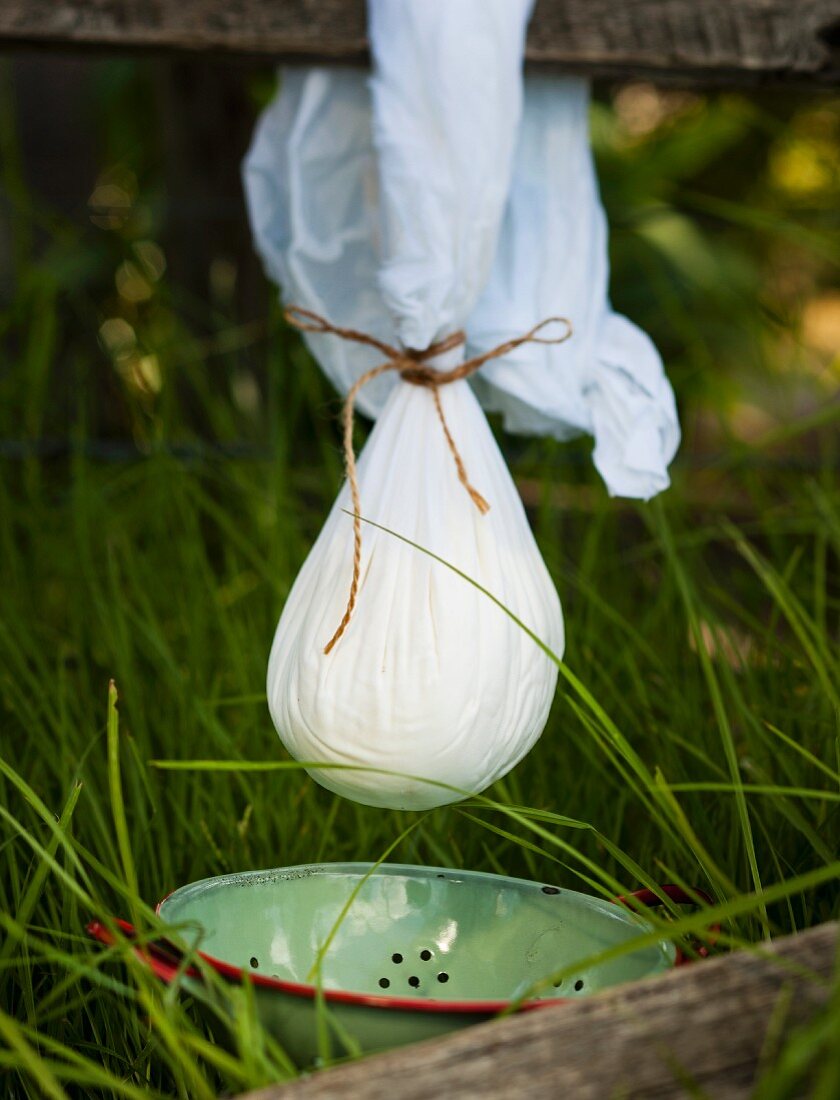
(699, 41)
(701, 1026)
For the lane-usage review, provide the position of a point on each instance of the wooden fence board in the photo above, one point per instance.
(692, 41)
(702, 1027)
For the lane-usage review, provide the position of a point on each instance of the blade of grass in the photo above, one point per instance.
(117, 802)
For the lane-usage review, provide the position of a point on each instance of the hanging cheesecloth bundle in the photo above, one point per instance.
(444, 193)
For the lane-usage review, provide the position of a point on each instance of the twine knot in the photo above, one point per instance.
(410, 364)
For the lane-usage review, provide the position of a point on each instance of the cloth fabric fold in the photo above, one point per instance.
(445, 193)
(377, 204)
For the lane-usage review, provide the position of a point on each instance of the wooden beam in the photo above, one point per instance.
(698, 1030)
(690, 41)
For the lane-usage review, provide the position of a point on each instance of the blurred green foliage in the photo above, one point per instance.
(168, 452)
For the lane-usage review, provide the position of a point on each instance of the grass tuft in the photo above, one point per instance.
(151, 530)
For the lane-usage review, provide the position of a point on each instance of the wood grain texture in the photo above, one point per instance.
(692, 41)
(702, 1026)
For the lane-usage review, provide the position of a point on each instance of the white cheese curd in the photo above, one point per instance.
(431, 679)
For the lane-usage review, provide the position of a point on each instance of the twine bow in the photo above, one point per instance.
(412, 369)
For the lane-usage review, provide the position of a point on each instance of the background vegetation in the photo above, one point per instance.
(168, 452)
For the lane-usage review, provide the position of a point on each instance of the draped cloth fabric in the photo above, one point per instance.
(445, 192)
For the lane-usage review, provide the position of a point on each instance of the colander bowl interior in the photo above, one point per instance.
(421, 934)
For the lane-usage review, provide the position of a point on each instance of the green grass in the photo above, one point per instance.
(694, 737)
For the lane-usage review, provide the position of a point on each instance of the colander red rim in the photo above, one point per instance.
(167, 971)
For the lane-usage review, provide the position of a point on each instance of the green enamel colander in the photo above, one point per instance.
(411, 952)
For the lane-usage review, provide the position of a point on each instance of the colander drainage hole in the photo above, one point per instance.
(255, 962)
(396, 957)
(384, 983)
(425, 955)
(413, 981)
(444, 977)
(578, 985)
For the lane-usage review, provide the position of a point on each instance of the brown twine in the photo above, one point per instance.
(410, 364)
